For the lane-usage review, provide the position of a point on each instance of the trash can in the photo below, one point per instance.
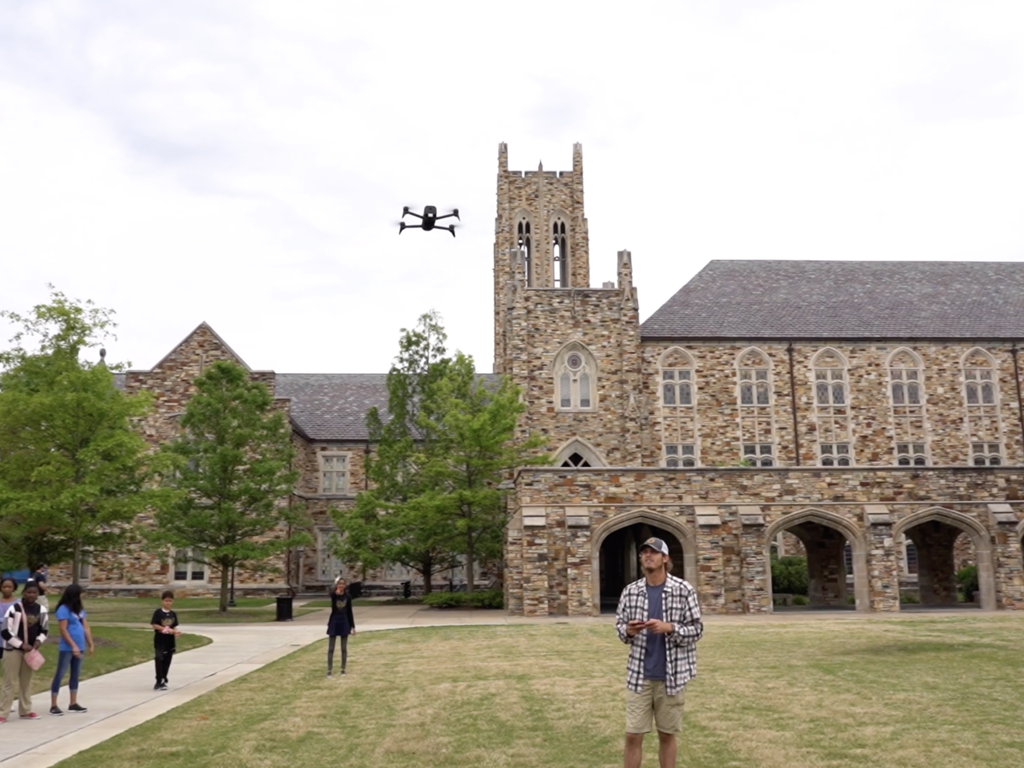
(284, 608)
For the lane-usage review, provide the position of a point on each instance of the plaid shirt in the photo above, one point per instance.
(679, 607)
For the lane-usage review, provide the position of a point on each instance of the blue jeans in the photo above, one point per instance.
(64, 659)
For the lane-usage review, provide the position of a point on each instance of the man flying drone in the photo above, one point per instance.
(428, 220)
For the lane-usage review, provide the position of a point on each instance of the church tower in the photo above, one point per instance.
(539, 221)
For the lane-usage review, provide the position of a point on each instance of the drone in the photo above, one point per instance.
(428, 220)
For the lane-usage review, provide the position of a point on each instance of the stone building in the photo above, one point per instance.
(867, 414)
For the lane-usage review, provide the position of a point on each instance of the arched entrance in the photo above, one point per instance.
(946, 541)
(616, 554)
(836, 555)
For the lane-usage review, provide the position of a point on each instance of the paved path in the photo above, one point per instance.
(125, 698)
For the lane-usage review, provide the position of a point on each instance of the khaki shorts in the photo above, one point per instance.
(652, 704)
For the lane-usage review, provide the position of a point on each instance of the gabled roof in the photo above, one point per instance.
(203, 326)
(846, 300)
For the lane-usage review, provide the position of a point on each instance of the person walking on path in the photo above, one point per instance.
(74, 636)
(340, 624)
(659, 618)
(39, 575)
(8, 586)
(165, 629)
(24, 630)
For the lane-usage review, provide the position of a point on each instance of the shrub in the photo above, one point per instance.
(967, 579)
(800, 600)
(489, 598)
(909, 598)
(789, 575)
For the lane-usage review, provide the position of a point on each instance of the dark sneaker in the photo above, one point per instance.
(329, 673)
(56, 711)
(343, 671)
(162, 687)
(77, 708)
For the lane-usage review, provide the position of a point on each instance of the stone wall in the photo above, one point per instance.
(726, 518)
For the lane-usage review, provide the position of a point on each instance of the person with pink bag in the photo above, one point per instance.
(25, 626)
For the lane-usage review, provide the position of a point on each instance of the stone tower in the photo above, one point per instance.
(540, 217)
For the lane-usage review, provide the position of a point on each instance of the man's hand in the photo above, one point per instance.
(660, 627)
(634, 628)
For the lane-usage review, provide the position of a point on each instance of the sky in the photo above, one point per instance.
(246, 163)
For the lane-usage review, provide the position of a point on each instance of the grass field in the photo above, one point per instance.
(920, 692)
(190, 610)
(116, 648)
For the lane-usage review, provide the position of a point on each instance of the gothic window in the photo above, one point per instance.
(187, 567)
(578, 453)
(680, 455)
(754, 373)
(677, 379)
(911, 454)
(979, 380)
(830, 379)
(575, 460)
(986, 454)
(905, 379)
(835, 454)
(576, 379)
(758, 455)
(523, 240)
(559, 253)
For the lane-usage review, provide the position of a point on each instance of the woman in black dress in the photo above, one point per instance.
(340, 624)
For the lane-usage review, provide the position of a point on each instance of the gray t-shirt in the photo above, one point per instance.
(654, 658)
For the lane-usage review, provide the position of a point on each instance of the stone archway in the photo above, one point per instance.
(615, 559)
(934, 533)
(824, 536)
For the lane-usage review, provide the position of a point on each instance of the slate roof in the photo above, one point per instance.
(333, 406)
(846, 300)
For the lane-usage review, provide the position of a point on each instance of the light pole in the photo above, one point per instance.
(231, 595)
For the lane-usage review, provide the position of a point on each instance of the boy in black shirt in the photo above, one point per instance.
(165, 628)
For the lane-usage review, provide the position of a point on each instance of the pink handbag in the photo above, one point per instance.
(32, 656)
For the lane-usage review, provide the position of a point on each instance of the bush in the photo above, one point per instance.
(967, 580)
(800, 600)
(489, 598)
(909, 598)
(789, 575)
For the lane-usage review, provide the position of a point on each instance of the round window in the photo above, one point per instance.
(574, 361)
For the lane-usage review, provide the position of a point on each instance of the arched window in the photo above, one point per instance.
(829, 378)
(524, 241)
(677, 379)
(906, 396)
(984, 421)
(575, 379)
(754, 371)
(559, 253)
(980, 386)
(578, 453)
(831, 401)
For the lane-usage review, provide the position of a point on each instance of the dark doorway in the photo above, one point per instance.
(620, 559)
(942, 552)
(828, 563)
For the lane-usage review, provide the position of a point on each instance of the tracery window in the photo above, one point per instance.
(830, 379)
(524, 241)
(677, 379)
(831, 409)
(756, 418)
(982, 413)
(906, 397)
(754, 372)
(559, 254)
(680, 455)
(575, 379)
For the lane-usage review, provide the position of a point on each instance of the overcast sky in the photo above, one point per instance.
(246, 163)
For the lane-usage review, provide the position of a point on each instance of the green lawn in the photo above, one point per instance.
(116, 648)
(920, 692)
(190, 610)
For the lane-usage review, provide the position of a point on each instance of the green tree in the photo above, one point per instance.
(386, 525)
(232, 468)
(441, 459)
(473, 451)
(72, 468)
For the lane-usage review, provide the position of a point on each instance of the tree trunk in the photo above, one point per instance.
(225, 572)
(469, 564)
(76, 561)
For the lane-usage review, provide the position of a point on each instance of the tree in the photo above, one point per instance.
(385, 525)
(72, 468)
(441, 459)
(232, 467)
(473, 452)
